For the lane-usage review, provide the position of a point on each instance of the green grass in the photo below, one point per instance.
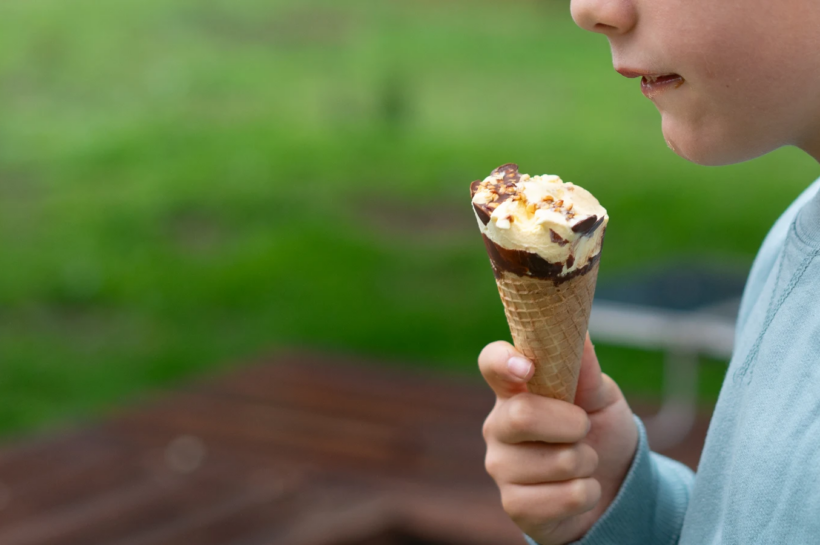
(184, 184)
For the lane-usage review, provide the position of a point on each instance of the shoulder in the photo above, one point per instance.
(769, 250)
(778, 231)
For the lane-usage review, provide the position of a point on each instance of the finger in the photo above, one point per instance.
(532, 506)
(536, 463)
(504, 369)
(529, 417)
(594, 392)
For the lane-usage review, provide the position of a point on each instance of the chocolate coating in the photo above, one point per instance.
(586, 225)
(474, 188)
(529, 264)
(510, 171)
(483, 213)
(511, 177)
(556, 238)
(502, 186)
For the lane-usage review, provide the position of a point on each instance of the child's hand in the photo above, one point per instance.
(558, 466)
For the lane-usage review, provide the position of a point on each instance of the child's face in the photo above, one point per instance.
(742, 77)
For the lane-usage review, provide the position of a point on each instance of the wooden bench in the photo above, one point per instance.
(300, 450)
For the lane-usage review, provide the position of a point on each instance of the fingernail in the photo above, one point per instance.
(519, 367)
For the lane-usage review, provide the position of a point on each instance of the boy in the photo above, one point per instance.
(732, 80)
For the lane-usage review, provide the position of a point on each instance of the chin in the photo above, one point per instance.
(710, 146)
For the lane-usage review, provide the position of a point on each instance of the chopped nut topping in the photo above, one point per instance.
(492, 205)
(559, 204)
(531, 208)
(548, 198)
(569, 207)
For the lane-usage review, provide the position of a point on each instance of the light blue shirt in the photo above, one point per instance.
(759, 476)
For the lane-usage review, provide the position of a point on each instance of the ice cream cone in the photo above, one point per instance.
(544, 239)
(548, 323)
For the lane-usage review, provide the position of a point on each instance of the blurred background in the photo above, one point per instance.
(187, 185)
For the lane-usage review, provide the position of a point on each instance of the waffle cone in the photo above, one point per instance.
(548, 322)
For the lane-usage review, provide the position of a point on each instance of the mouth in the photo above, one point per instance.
(653, 84)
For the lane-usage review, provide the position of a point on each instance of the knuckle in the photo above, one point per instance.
(515, 508)
(487, 428)
(577, 496)
(592, 455)
(520, 414)
(579, 423)
(493, 463)
(567, 462)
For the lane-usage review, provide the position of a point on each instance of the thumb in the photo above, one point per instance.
(593, 393)
(504, 369)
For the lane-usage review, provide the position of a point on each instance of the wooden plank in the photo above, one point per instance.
(51, 528)
(230, 523)
(457, 519)
(123, 497)
(324, 398)
(321, 438)
(244, 423)
(123, 512)
(268, 522)
(71, 487)
(229, 520)
(43, 459)
(395, 388)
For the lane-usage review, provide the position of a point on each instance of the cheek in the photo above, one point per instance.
(751, 85)
(731, 109)
(710, 126)
(752, 79)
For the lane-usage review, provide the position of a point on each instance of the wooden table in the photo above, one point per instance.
(300, 450)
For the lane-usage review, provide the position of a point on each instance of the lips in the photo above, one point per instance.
(653, 84)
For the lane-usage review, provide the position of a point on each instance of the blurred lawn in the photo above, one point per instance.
(184, 184)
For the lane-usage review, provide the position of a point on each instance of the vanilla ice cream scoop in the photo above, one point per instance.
(538, 226)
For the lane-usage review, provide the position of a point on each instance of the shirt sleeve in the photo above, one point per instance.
(650, 506)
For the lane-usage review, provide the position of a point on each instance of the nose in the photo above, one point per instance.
(609, 17)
